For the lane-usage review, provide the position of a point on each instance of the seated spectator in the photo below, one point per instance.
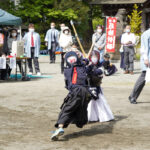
(109, 68)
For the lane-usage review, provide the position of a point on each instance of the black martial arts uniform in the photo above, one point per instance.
(74, 108)
(109, 69)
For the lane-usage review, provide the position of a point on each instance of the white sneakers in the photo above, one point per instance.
(38, 74)
(30, 73)
(57, 133)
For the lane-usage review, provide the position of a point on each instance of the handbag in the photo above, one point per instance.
(121, 49)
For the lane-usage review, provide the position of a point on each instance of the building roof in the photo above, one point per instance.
(118, 2)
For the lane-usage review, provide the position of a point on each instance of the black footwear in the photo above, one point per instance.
(132, 100)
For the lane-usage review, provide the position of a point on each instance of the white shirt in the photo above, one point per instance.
(65, 41)
(126, 37)
(145, 45)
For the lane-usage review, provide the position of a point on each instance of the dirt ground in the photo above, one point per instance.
(29, 110)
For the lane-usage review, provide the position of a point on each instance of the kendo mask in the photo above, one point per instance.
(94, 57)
(71, 58)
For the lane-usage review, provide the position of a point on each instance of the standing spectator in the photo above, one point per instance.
(128, 41)
(62, 26)
(99, 40)
(51, 40)
(3, 42)
(145, 63)
(32, 49)
(4, 51)
(65, 42)
(13, 37)
(121, 50)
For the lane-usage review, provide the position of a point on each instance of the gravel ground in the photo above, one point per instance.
(29, 110)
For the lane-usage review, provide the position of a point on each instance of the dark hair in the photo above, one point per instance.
(106, 55)
(31, 25)
(11, 32)
(61, 24)
(99, 26)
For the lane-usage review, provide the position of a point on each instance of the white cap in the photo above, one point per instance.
(66, 28)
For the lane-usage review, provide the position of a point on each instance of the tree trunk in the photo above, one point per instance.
(88, 39)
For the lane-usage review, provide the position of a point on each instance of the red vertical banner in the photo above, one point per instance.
(111, 34)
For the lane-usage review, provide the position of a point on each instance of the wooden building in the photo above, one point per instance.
(111, 7)
(121, 9)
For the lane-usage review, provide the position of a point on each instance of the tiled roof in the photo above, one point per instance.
(117, 1)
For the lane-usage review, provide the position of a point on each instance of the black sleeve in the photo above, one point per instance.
(89, 69)
(5, 47)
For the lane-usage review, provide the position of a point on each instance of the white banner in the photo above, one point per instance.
(13, 62)
(2, 62)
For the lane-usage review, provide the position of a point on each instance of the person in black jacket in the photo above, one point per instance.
(109, 69)
(74, 108)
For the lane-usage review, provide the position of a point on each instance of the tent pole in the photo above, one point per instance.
(20, 33)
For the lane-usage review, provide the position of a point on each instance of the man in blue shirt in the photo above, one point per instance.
(51, 40)
(145, 63)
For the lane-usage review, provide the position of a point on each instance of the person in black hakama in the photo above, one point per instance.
(74, 108)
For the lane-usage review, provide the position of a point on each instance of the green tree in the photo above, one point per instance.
(80, 10)
(97, 16)
(135, 20)
(42, 12)
(7, 5)
(88, 17)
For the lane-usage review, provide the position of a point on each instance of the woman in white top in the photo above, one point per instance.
(14, 37)
(65, 42)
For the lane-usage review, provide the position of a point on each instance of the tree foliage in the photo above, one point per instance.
(135, 20)
(97, 16)
(7, 5)
(42, 12)
(80, 10)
